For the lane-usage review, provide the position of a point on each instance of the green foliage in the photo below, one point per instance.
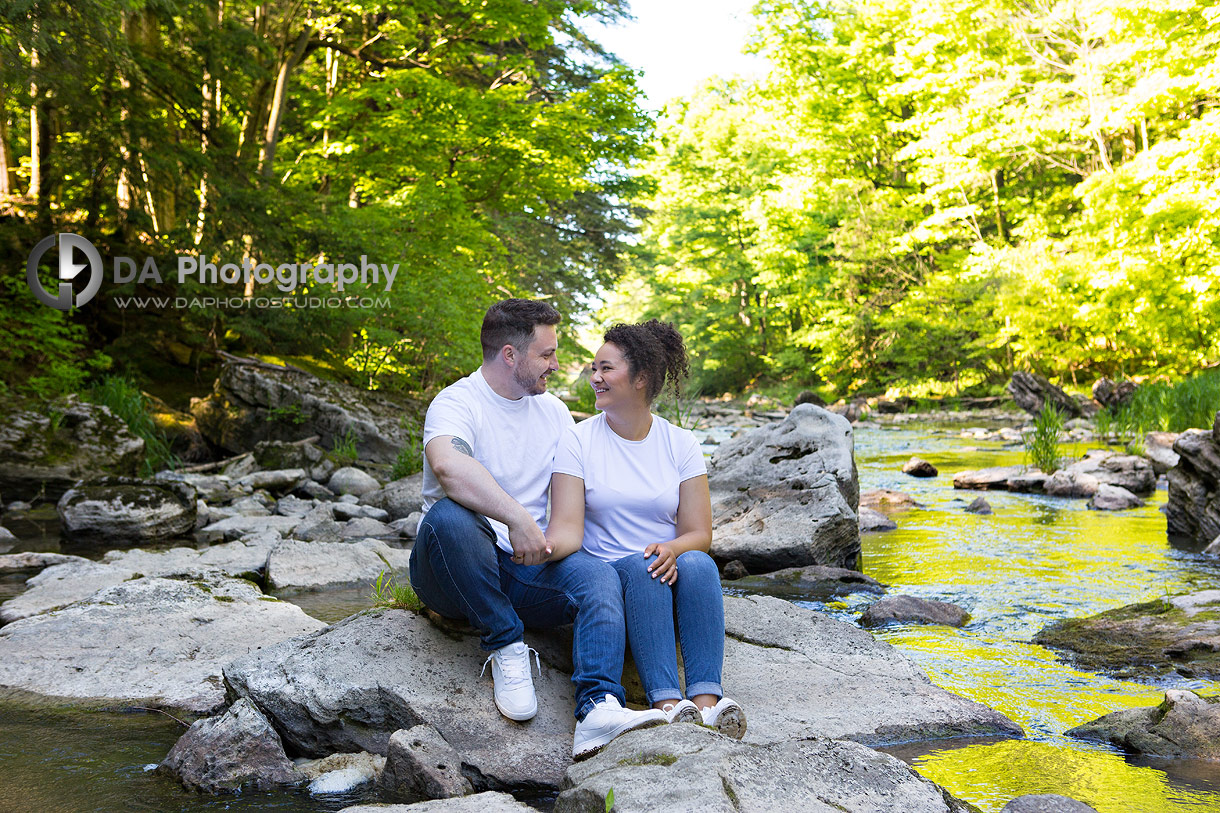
(286, 414)
(1160, 407)
(928, 197)
(122, 397)
(343, 449)
(681, 409)
(1042, 442)
(390, 594)
(410, 458)
(609, 800)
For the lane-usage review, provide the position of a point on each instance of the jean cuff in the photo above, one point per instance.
(657, 695)
(706, 687)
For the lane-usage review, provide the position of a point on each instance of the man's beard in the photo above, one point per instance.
(532, 385)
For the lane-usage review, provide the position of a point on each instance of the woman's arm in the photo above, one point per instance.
(694, 529)
(566, 529)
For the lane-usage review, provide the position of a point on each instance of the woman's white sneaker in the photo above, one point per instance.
(514, 685)
(607, 720)
(683, 711)
(726, 717)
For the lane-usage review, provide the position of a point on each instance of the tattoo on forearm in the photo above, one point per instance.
(463, 447)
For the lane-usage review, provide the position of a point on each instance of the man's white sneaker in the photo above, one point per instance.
(514, 686)
(605, 721)
(683, 711)
(726, 717)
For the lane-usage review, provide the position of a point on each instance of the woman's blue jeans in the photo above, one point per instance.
(457, 570)
(696, 603)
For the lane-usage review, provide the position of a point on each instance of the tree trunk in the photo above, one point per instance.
(35, 132)
(209, 118)
(1001, 223)
(8, 170)
(266, 159)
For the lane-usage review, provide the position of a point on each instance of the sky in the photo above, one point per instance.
(679, 43)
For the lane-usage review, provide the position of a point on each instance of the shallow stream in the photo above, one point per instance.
(1034, 560)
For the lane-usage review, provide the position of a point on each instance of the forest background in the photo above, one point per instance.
(920, 198)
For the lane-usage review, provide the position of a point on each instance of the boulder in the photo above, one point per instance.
(1193, 509)
(1113, 498)
(1145, 640)
(275, 454)
(1031, 482)
(61, 585)
(238, 527)
(276, 480)
(888, 501)
(1110, 395)
(351, 480)
(344, 511)
(487, 802)
(979, 506)
(798, 673)
(212, 488)
(993, 479)
(873, 521)
(918, 467)
(1033, 393)
(124, 510)
(362, 527)
(251, 403)
(1158, 448)
(341, 773)
(1046, 803)
(420, 765)
(785, 495)
(808, 397)
(236, 750)
(816, 583)
(400, 498)
(692, 769)
(242, 558)
(1065, 483)
(34, 560)
(911, 610)
(150, 641)
(296, 566)
(1183, 725)
(1126, 471)
(44, 452)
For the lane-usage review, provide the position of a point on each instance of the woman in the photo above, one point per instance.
(635, 486)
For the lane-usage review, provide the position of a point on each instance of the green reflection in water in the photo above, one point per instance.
(1034, 560)
(989, 776)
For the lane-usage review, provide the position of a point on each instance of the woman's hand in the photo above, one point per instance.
(666, 564)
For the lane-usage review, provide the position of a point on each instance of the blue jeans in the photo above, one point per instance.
(457, 570)
(697, 603)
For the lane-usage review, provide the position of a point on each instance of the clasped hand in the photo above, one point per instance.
(666, 564)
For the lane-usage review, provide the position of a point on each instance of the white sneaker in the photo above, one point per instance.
(726, 717)
(683, 711)
(514, 686)
(607, 720)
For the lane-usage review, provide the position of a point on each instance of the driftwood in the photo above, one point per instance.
(220, 464)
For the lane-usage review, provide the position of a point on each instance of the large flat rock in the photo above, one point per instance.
(296, 566)
(149, 641)
(690, 769)
(798, 674)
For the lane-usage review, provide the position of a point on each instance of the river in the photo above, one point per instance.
(1032, 561)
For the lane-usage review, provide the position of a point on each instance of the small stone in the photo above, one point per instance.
(734, 570)
(275, 480)
(917, 467)
(1046, 803)
(1113, 498)
(910, 610)
(874, 521)
(887, 500)
(18, 505)
(350, 480)
(421, 764)
(979, 506)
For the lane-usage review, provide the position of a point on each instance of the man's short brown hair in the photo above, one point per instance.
(512, 321)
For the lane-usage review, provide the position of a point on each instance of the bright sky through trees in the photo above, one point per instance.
(679, 43)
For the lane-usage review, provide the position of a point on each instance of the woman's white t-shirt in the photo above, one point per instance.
(631, 486)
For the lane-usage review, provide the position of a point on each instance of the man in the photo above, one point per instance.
(489, 445)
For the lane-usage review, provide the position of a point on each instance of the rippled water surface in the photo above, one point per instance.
(1034, 560)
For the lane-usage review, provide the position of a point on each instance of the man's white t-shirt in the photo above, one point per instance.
(631, 486)
(514, 440)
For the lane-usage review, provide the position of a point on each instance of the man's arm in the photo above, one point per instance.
(467, 482)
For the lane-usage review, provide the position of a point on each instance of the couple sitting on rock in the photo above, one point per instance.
(629, 510)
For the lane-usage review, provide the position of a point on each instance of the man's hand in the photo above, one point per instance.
(529, 544)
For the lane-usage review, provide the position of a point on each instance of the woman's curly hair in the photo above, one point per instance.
(655, 349)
